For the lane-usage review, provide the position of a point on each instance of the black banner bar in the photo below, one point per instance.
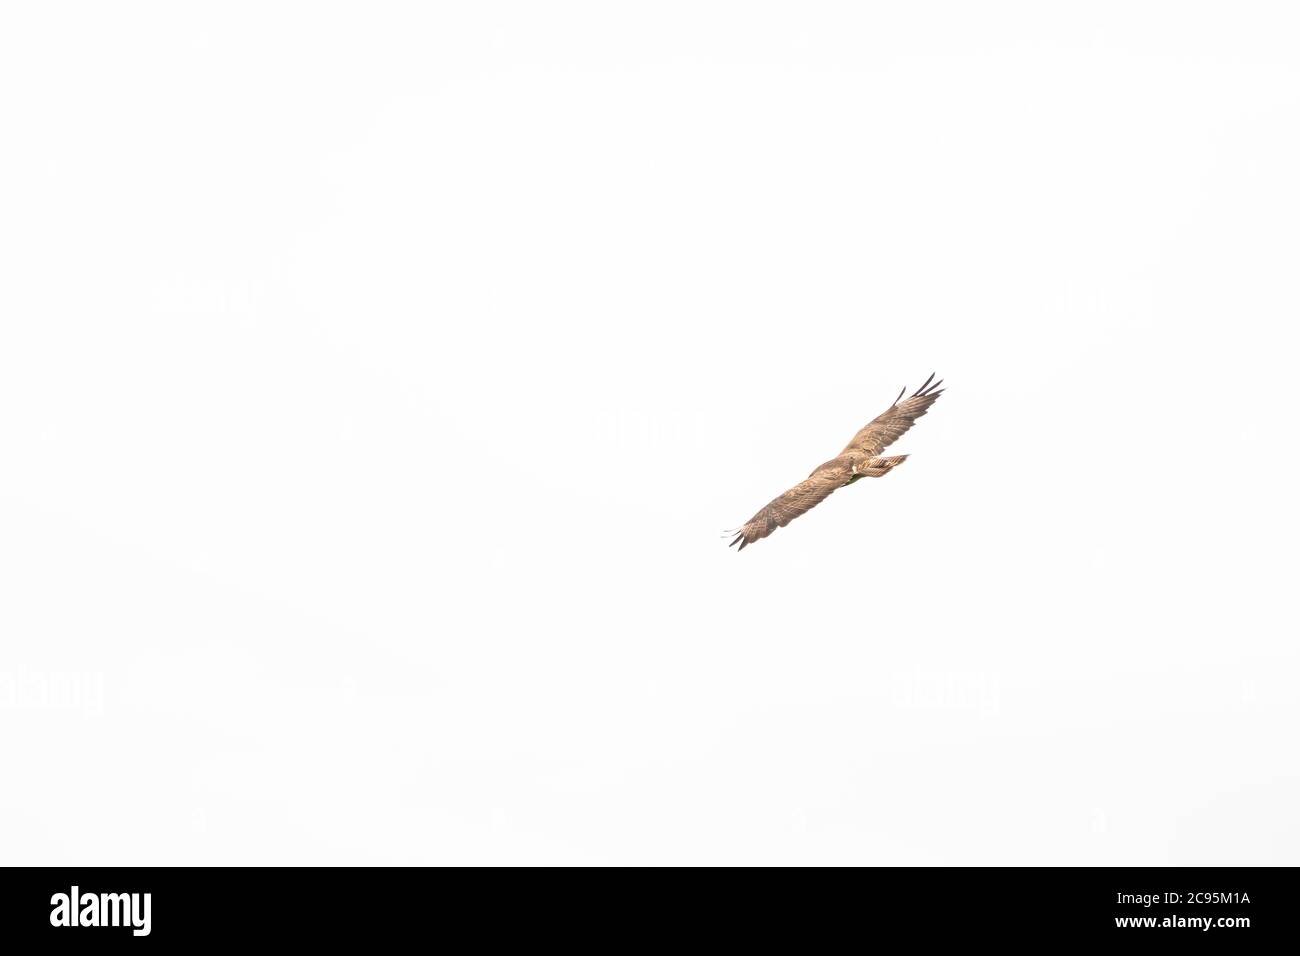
(1161, 906)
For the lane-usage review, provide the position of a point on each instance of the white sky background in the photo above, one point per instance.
(375, 385)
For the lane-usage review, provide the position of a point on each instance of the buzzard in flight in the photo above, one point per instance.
(860, 458)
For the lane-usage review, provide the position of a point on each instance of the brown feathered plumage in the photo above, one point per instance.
(859, 459)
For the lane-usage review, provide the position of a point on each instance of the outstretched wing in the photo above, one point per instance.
(887, 427)
(804, 496)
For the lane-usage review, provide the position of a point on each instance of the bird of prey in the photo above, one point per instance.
(859, 459)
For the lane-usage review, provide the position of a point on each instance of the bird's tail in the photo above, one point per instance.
(877, 467)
